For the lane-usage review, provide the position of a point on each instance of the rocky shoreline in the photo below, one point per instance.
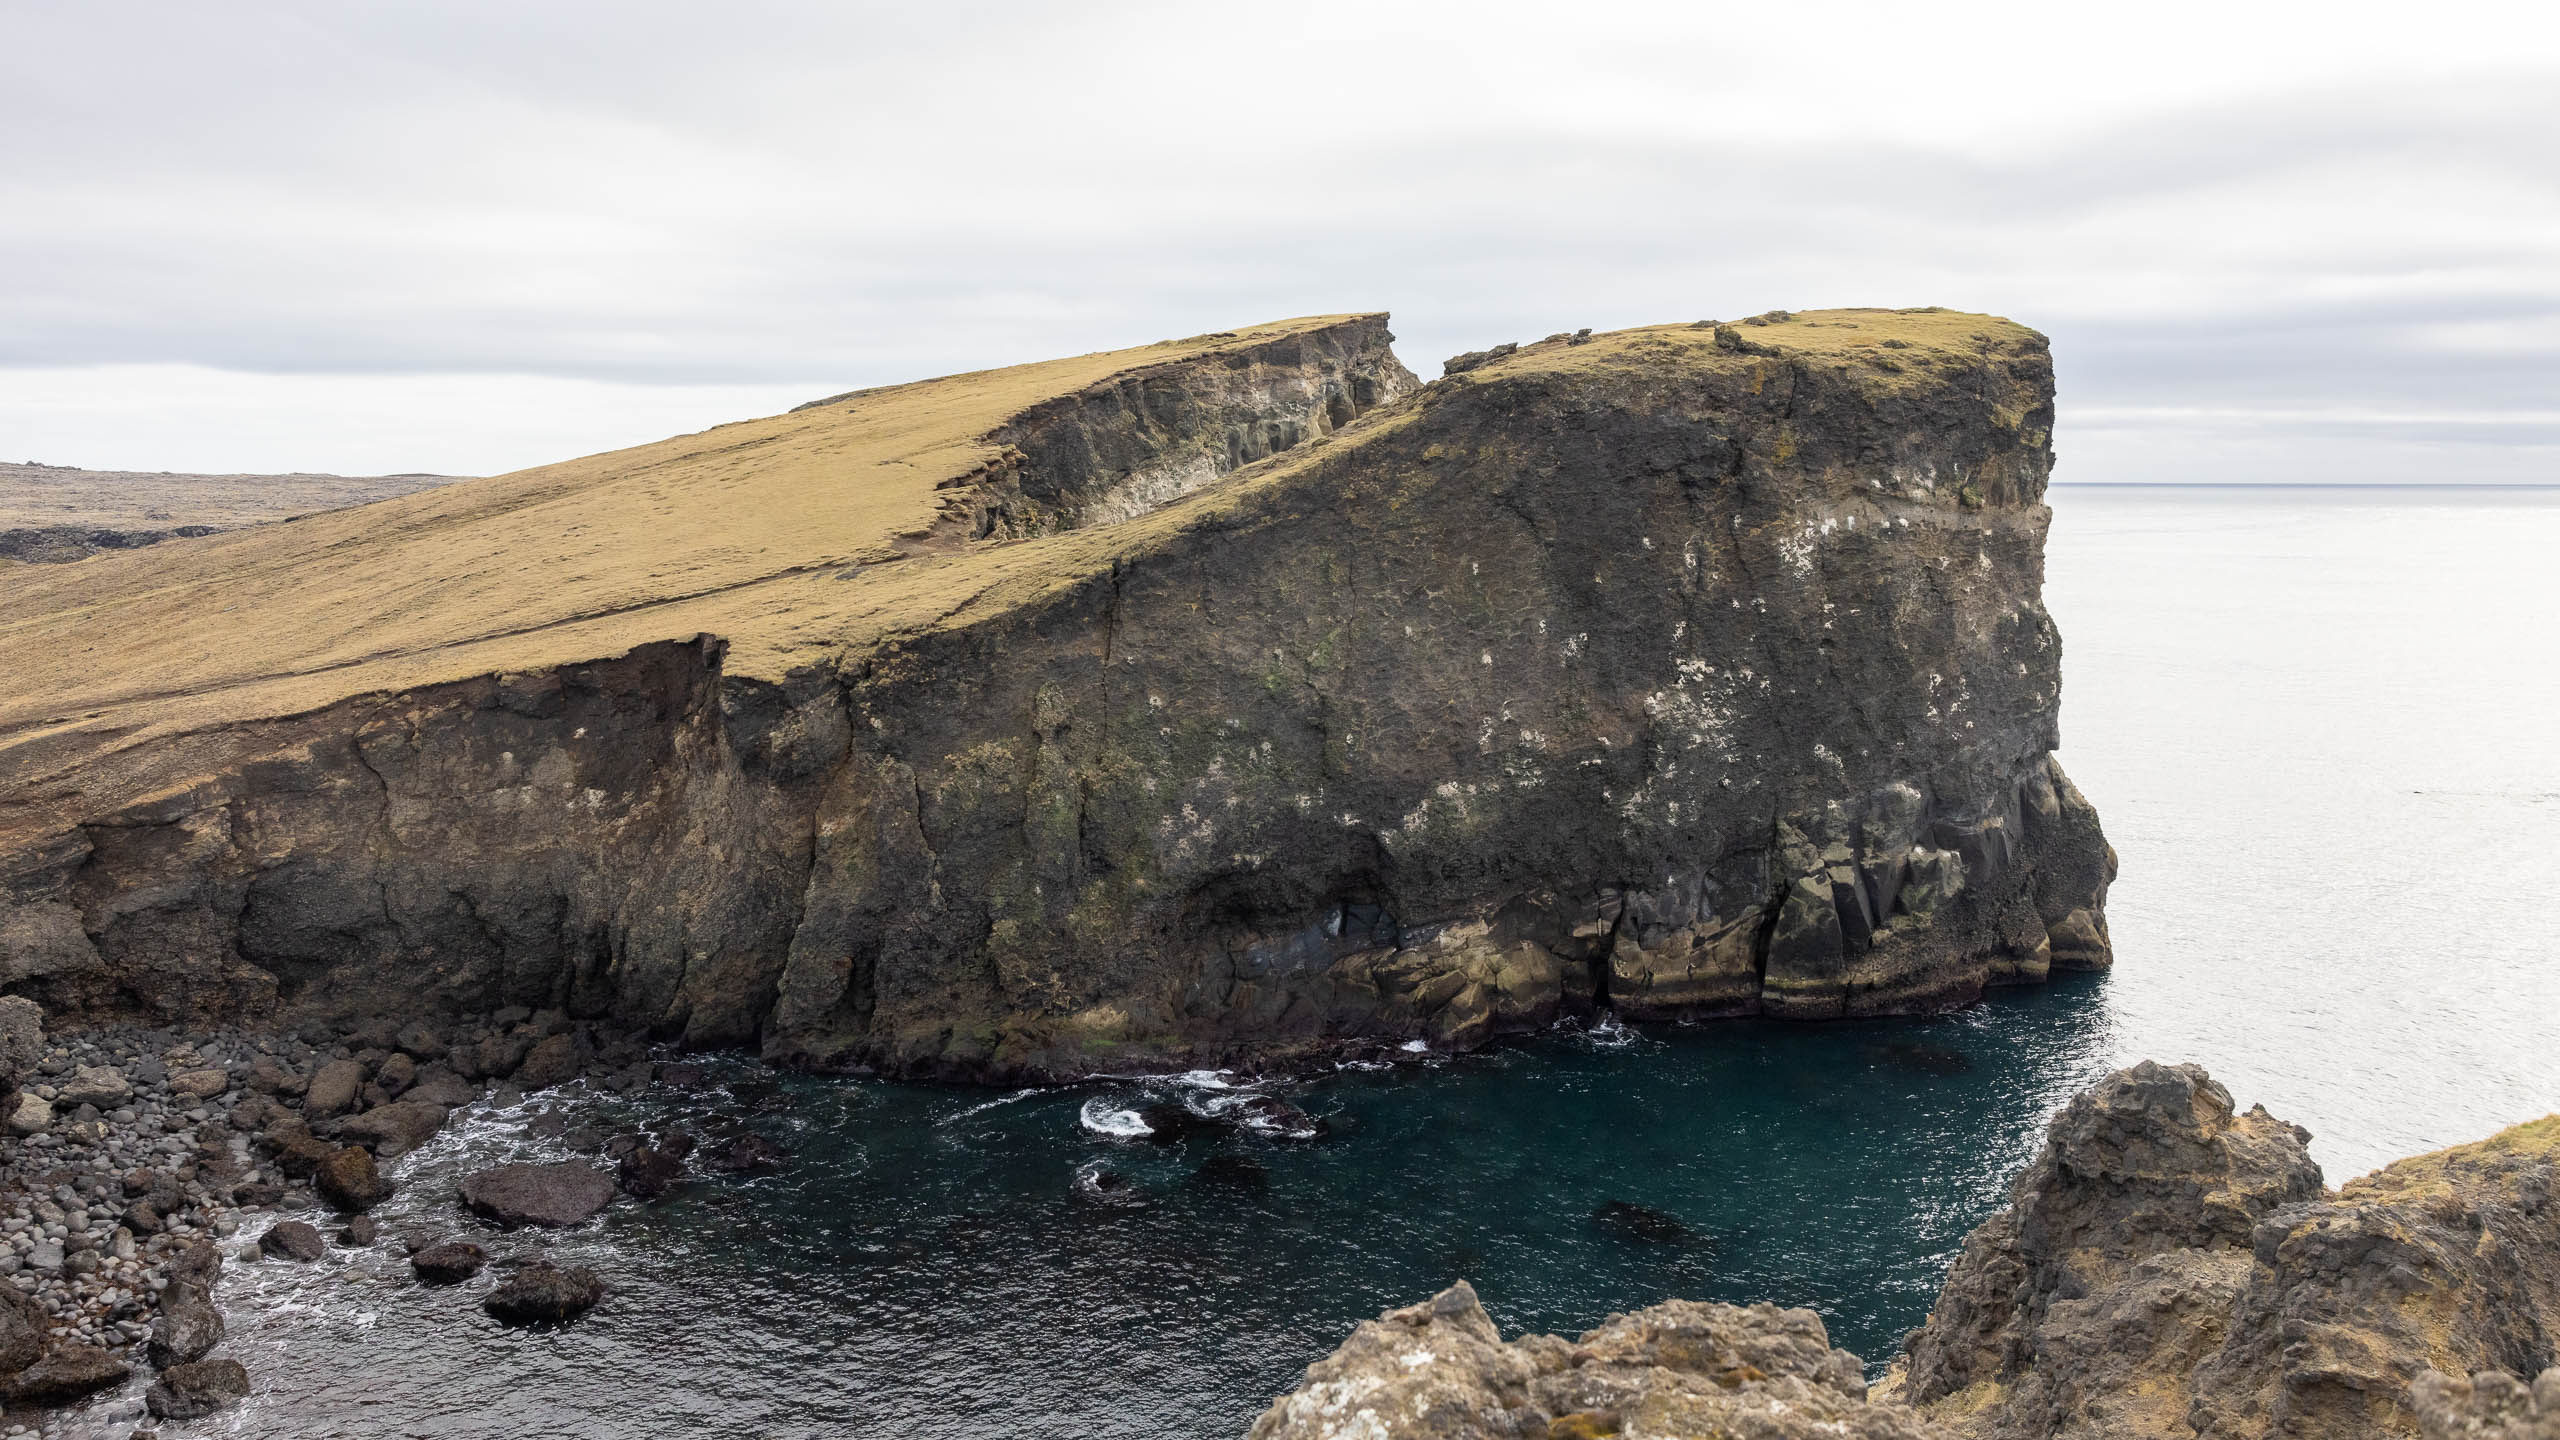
(141, 1164)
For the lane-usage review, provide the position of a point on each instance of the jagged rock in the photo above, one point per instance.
(450, 1263)
(333, 1089)
(188, 1326)
(548, 1195)
(293, 1240)
(745, 1154)
(198, 1264)
(297, 1151)
(395, 1129)
(349, 1180)
(1440, 1371)
(64, 1375)
(544, 1292)
(191, 1392)
(2169, 1269)
(359, 1232)
(2491, 1405)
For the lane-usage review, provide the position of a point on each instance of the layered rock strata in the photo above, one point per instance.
(1026, 722)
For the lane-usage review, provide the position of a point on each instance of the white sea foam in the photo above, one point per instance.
(1112, 1122)
(1611, 1033)
(980, 1109)
(1416, 1047)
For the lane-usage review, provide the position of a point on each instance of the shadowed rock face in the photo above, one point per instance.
(2169, 1269)
(1440, 1371)
(1668, 671)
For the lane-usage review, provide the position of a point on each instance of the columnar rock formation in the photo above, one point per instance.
(1226, 697)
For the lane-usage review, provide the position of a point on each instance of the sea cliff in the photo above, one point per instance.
(1226, 699)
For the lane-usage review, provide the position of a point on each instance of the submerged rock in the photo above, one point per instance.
(1643, 1224)
(650, 1170)
(544, 1292)
(566, 1193)
(1441, 1371)
(191, 1392)
(1109, 1188)
(744, 1154)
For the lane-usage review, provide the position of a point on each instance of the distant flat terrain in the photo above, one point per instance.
(61, 512)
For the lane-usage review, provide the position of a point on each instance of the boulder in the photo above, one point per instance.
(29, 1115)
(359, 1232)
(22, 1043)
(200, 1084)
(396, 1074)
(22, 1330)
(198, 1264)
(553, 1062)
(65, 1375)
(549, 1195)
(191, 1392)
(649, 1171)
(419, 1041)
(293, 1240)
(395, 1129)
(296, 1150)
(745, 1154)
(543, 1292)
(188, 1326)
(450, 1263)
(349, 1180)
(94, 1085)
(333, 1089)
(437, 1085)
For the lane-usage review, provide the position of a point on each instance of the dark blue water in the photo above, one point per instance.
(930, 1253)
(2317, 725)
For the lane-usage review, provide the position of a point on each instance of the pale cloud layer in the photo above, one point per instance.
(2270, 242)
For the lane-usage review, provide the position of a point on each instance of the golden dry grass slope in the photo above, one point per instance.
(795, 537)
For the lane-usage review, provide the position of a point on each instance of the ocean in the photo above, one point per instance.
(2319, 726)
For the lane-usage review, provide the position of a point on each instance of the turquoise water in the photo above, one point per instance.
(2319, 729)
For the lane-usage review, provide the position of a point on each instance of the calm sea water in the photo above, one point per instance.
(2319, 726)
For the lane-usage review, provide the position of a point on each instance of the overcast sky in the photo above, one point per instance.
(2270, 242)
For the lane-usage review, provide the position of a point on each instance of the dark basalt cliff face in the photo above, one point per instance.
(1675, 671)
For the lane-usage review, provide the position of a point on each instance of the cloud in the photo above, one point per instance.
(2284, 212)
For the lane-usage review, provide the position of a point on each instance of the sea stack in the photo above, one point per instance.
(1226, 698)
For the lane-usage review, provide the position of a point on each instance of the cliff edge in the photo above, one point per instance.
(1219, 699)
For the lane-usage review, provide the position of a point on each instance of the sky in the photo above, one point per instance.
(2271, 243)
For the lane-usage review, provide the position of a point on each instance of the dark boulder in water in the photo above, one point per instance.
(549, 1195)
(1111, 1188)
(350, 1181)
(293, 1240)
(188, 1326)
(1276, 1119)
(1643, 1224)
(544, 1292)
(450, 1263)
(63, 1376)
(190, 1392)
(651, 1170)
(1168, 1123)
(747, 1154)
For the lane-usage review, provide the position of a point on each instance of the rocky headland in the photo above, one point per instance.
(2166, 1269)
(1226, 699)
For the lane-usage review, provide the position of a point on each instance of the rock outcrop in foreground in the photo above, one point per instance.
(2166, 1270)
(2169, 1268)
(1220, 699)
(1440, 1369)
